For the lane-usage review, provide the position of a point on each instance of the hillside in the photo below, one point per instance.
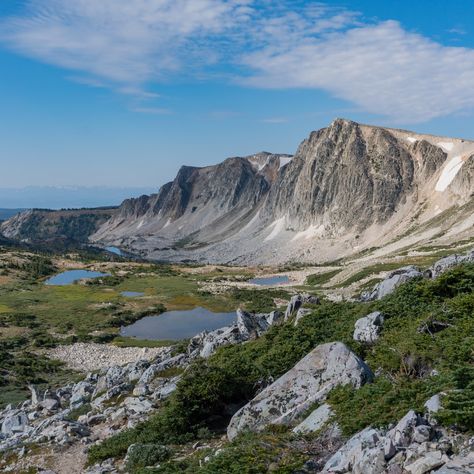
(350, 188)
(379, 385)
(45, 226)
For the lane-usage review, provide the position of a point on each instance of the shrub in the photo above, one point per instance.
(143, 455)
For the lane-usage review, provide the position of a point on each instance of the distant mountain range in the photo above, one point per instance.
(349, 189)
(50, 197)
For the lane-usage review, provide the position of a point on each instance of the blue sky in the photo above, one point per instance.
(123, 92)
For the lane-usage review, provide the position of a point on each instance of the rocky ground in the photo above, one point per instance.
(54, 429)
(90, 357)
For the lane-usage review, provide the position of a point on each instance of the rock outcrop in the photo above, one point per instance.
(247, 326)
(413, 446)
(349, 187)
(368, 328)
(308, 382)
(444, 264)
(316, 420)
(401, 275)
(47, 417)
(71, 225)
(389, 284)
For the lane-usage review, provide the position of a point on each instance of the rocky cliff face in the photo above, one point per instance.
(202, 205)
(349, 188)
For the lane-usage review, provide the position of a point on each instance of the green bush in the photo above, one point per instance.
(143, 455)
(404, 355)
(458, 405)
(258, 301)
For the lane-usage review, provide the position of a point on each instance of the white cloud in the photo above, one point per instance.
(275, 120)
(152, 110)
(382, 68)
(127, 44)
(123, 41)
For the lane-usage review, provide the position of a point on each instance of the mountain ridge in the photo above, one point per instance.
(348, 188)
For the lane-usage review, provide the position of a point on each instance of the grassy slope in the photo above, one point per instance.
(35, 316)
(404, 357)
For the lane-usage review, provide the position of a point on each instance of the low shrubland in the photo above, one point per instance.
(412, 363)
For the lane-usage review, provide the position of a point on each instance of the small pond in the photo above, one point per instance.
(114, 250)
(70, 276)
(271, 281)
(131, 294)
(175, 325)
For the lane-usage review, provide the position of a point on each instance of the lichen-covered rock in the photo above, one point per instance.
(394, 279)
(362, 454)
(316, 420)
(433, 406)
(247, 326)
(300, 314)
(309, 381)
(426, 463)
(448, 262)
(297, 301)
(367, 329)
(14, 422)
(459, 464)
(81, 393)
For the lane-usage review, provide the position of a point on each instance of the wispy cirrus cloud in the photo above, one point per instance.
(126, 44)
(120, 41)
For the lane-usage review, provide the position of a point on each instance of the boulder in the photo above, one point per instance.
(273, 317)
(115, 376)
(297, 301)
(81, 393)
(367, 329)
(429, 461)
(34, 395)
(165, 388)
(394, 279)
(136, 369)
(459, 464)
(300, 314)
(446, 263)
(433, 406)
(136, 405)
(50, 404)
(403, 432)
(206, 343)
(316, 420)
(251, 326)
(247, 326)
(15, 422)
(308, 382)
(362, 454)
(95, 419)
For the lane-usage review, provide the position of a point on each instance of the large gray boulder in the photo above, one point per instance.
(362, 454)
(460, 464)
(394, 279)
(247, 326)
(446, 263)
(308, 382)
(367, 329)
